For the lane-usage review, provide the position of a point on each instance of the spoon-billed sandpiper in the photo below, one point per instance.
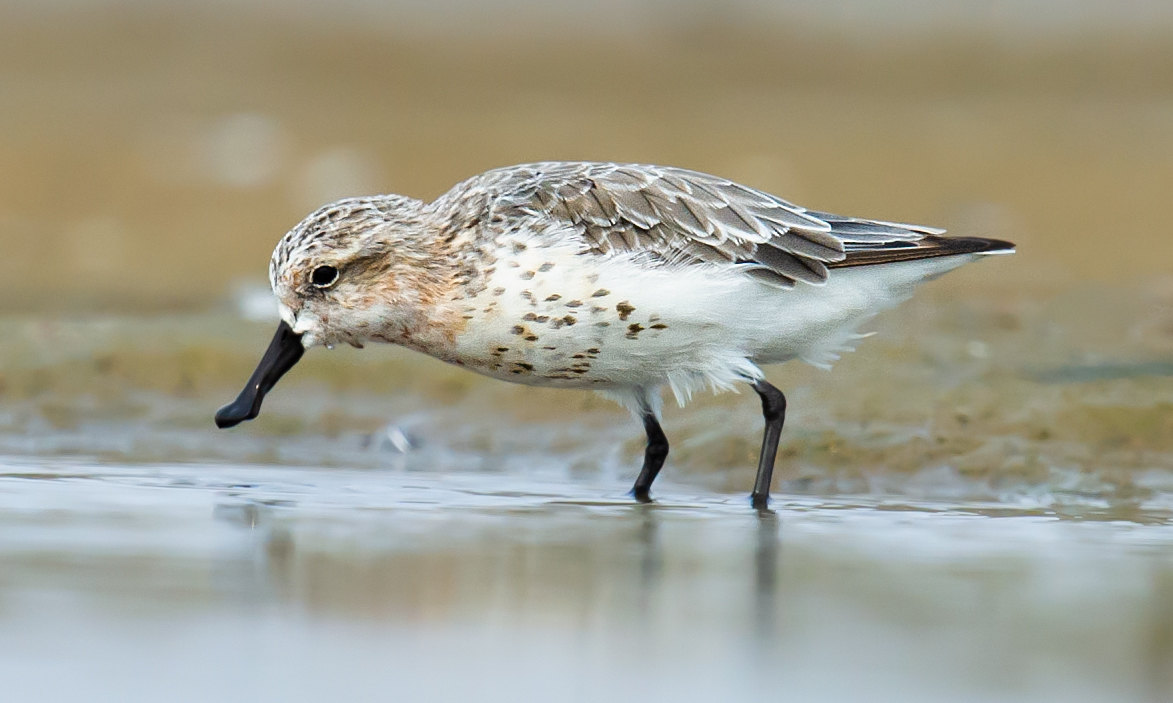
(616, 278)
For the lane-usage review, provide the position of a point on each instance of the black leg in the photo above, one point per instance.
(774, 412)
(654, 456)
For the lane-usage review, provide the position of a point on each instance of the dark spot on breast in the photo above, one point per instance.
(524, 366)
(466, 317)
(600, 293)
(518, 247)
(528, 295)
(595, 309)
(517, 329)
(514, 264)
(578, 356)
(659, 326)
(542, 318)
(625, 309)
(529, 317)
(557, 322)
(550, 348)
(602, 324)
(634, 329)
(574, 304)
(593, 350)
(498, 291)
(502, 349)
(531, 338)
(570, 319)
(545, 267)
(526, 275)
(554, 297)
(579, 370)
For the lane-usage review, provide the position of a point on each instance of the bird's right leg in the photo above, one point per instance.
(654, 456)
(774, 413)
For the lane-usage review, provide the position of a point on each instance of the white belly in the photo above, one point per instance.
(556, 318)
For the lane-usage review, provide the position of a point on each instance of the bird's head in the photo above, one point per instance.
(353, 271)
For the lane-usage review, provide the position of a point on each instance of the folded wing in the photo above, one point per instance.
(682, 216)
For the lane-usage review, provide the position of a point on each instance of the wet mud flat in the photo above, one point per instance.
(1064, 399)
(253, 582)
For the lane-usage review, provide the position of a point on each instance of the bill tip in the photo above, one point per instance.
(230, 416)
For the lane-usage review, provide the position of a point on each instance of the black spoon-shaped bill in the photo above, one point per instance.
(284, 351)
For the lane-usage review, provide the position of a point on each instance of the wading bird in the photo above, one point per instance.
(617, 278)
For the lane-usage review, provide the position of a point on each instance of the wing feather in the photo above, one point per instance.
(680, 217)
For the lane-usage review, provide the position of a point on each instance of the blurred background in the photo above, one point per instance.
(152, 152)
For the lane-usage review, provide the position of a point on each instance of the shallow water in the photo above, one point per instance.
(239, 582)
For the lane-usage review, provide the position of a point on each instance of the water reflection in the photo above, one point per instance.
(651, 560)
(765, 596)
(448, 586)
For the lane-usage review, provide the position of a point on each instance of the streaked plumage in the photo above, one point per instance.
(616, 278)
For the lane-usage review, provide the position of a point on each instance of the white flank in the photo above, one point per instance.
(637, 327)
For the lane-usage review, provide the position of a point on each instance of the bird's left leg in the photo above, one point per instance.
(774, 412)
(654, 456)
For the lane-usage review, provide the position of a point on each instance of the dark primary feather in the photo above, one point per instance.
(686, 216)
(927, 247)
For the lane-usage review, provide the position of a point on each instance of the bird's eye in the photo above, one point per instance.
(324, 276)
